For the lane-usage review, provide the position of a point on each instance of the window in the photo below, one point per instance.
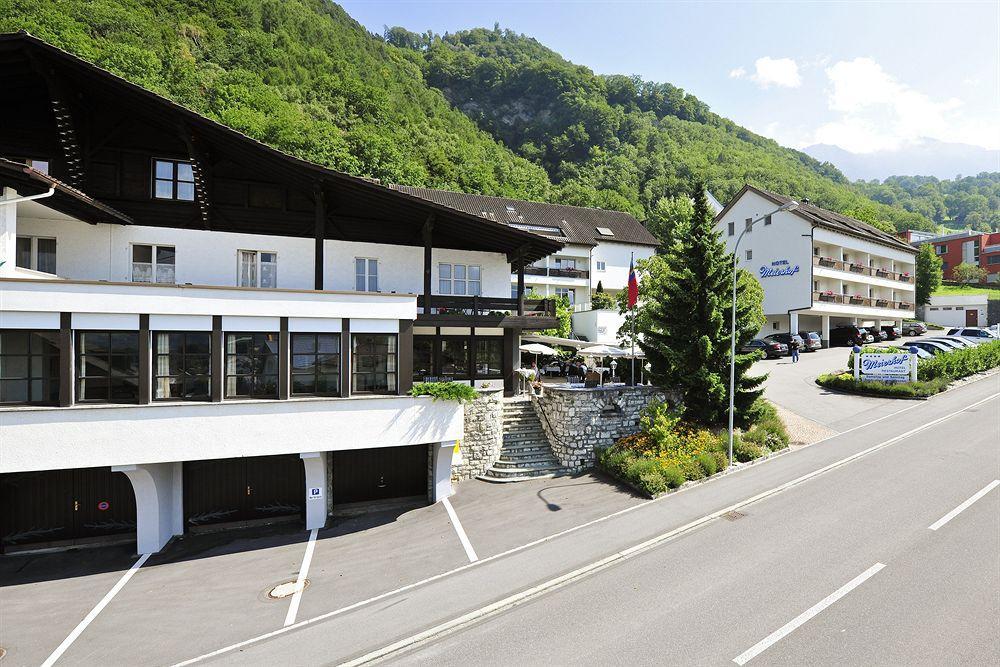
(944, 266)
(774, 325)
(489, 357)
(816, 251)
(461, 279)
(173, 180)
(38, 165)
(993, 259)
(182, 365)
(749, 254)
(815, 285)
(252, 365)
(423, 358)
(565, 263)
(153, 264)
(36, 253)
(258, 268)
(373, 363)
(29, 366)
(567, 292)
(604, 231)
(749, 224)
(732, 228)
(455, 358)
(316, 364)
(941, 249)
(601, 266)
(366, 274)
(107, 366)
(767, 220)
(541, 229)
(513, 291)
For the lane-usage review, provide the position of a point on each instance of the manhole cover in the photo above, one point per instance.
(286, 589)
(733, 516)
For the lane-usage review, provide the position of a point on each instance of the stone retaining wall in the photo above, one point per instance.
(483, 435)
(579, 421)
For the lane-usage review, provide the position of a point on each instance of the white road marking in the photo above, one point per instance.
(694, 524)
(94, 612)
(789, 627)
(300, 582)
(964, 506)
(469, 551)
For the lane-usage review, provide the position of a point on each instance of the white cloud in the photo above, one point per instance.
(737, 73)
(782, 72)
(879, 112)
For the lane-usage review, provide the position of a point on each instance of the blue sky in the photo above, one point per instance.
(864, 76)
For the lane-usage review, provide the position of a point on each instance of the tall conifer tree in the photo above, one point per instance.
(686, 335)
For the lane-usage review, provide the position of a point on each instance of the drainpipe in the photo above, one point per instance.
(17, 200)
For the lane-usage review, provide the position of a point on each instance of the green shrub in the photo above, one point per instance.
(652, 483)
(744, 450)
(708, 463)
(918, 389)
(960, 363)
(673, 476)
(721, 460)
(692, 469)
(444, 391)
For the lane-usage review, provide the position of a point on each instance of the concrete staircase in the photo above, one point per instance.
(525, 453)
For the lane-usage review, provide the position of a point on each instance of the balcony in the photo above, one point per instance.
(555, 273)
(860, 269)
(866, 301)
(484, 311)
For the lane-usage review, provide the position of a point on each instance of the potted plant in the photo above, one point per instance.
(857, 268)
(827, 261)
(857, 299)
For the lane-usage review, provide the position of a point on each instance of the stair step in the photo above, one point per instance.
(524, 447)
(526, 464)
(534, 441)
(512, 474)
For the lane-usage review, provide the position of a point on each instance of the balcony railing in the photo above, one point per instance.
(555, 273)
(482, 309)
(861, 269)
(868, 301)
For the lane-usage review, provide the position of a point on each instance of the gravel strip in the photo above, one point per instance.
(802, 431)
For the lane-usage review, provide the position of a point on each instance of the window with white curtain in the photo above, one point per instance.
(258, 268)
(36, 253)
(366, 274)
(153, 263)
(460, 279)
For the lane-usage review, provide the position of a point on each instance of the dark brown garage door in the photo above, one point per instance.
(256, 487)
(381, 473)
(68, 506)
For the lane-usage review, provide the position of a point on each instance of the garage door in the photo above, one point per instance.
(67, 506)
(243, 489)
(381, 473)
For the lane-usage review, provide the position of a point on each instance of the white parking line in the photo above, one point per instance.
(787, 628)
(627, 553)
(964, 506)
(94, 612)
(300, 582)
(469, 551)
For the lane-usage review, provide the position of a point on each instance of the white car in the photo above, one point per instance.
(973, 332)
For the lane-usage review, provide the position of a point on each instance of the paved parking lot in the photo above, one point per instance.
(210, 590)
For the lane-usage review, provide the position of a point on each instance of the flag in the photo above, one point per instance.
(633, 286)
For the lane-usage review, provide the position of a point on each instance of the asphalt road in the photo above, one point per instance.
(710, 593)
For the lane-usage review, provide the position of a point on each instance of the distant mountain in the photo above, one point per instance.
(928, 158)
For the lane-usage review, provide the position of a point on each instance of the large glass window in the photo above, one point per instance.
(460, 279)
(373, 363)
(568, 292)
(36, 253)
(173, 180)
(153, 263)
(366, 274)
(252, 365)
(107, 366)
(455, 358)
(489, 357)
(423, 358)
(258, 269)
(182, 365)
(29, 366)
(316, 364)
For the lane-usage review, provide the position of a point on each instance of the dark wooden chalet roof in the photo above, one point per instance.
(358, 209)
(577, 224)
(822, 217)
(66, 199)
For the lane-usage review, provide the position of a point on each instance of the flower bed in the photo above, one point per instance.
(667, 452)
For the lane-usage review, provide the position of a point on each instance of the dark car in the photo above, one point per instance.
(879, 333)
(812, 340)
(892, 332)
(788, 340)
(914, 328)
(771, 349)
(847, 334)
(866, 335)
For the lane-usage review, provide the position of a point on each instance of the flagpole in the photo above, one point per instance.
(631, 265)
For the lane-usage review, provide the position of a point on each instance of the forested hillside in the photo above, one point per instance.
(483, 111)
(967, 202)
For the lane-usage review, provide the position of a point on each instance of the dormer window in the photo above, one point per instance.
(173, 180)
(604, 231)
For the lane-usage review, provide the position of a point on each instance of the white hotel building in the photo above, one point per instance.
(819, 268)
(196, 328)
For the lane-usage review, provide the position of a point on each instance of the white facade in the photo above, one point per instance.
(959, 310)
(598, 326)
(815, 277)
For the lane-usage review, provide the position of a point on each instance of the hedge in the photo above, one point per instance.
(444, 391)
(846, 382)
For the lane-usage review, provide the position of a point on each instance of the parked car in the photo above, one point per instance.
(892, 332)
(879, 333)
(950, 342)
(923, 354)
(866, 335)
(788, 340)
(812, 340)
(847, 334)
(771, 349)
(914, 328)
(972, 332)
(933, 347)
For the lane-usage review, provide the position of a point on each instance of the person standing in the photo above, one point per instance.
(793, 347)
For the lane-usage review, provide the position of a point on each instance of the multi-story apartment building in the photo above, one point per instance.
(968, 247)
(818, 268)
(196, 328)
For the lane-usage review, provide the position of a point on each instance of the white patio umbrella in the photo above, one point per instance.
(537, 349)
(603, 351)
